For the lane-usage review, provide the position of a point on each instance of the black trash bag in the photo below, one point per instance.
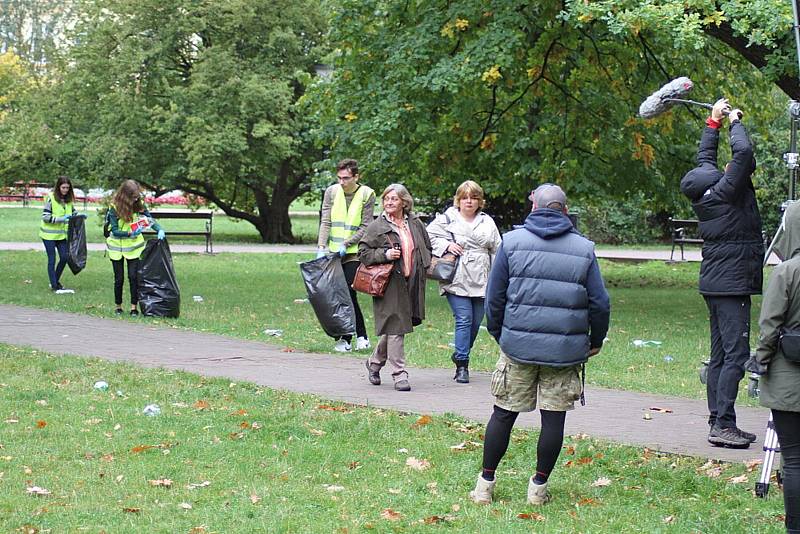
(76, 241)
(159, 294)
(329, 296)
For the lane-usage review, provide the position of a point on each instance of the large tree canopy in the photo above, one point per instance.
(512, 93)
(198, 96)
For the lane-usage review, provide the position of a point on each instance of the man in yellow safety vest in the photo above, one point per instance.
(347, 208)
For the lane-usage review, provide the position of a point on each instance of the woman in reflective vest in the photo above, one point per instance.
(127, 217)
(53, 229)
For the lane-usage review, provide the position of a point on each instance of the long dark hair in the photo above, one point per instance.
(69, 197)
(128, 200)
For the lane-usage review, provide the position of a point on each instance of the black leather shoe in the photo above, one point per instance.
(374, 376)
(462, 374)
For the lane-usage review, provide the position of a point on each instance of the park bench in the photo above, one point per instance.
(684, 232)
(201, 215)
(24, 191)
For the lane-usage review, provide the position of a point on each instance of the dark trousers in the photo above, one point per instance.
(54, 272)
(119, 279)
(350, 274)
(787, 426)
(729, 319)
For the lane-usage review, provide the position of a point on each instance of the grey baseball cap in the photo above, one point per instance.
(549, 196)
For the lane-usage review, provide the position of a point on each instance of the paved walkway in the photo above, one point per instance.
(612, 415)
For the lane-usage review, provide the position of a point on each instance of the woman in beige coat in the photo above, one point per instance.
(466, 231)
(396, 236)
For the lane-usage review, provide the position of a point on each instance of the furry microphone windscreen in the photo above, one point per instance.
(655, 103)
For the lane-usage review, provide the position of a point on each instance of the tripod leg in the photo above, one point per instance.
(770, 448)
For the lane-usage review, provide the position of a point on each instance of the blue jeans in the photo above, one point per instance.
(53, 271)
(468, 314)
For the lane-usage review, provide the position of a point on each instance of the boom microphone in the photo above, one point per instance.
(670, 94)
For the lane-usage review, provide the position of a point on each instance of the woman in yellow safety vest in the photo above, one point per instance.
(53, 229)
(127, 243)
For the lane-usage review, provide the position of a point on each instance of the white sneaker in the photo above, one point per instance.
(483, 492)
(342, 346)
(537, 493)
(362, 343)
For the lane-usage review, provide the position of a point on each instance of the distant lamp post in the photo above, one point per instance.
(323, 70)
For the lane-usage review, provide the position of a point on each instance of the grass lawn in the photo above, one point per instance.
(226, 457)
(22, 224)
(245, 294)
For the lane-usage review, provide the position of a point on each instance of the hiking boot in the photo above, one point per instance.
(462, 374)
(483, 492)
(342, 346)
(402, 385)
(727, 437)
(747, 435)
(362, 343)
(537, 493)
(374, 376)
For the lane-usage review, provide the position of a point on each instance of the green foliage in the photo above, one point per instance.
(628, 220)
(512, 94)
(198, 96)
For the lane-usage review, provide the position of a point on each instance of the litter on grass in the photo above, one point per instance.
(197, 298)
(646, 343)
(152, 410)
(101, 385)
(274, 332)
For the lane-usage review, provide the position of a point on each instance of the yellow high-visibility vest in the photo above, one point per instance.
(346, 221)
(55, 231)
(130, 248)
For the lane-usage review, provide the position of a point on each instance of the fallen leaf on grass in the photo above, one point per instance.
(585, 460)
(196, 485)
(317, 432)
(668, 519)
(466, 446)
(198, 530)
(119, 478)
(162, 482)
(660, 410)
(255, 499)
(141, 448)
(36, 490)
(738, 480)
(570, 449)
(422, 421)
(287, 349)
(28, 529)
(41, 402)
(333, 408)
(201, 405)
(185, 506)
(588, 501)
(390, 515)
(434, 519)
(395, 491)
(601, 482)
(417, 464)
(354, 465)
(333, 488)
(239, 412)
(532, 516)
(752, 464)
(132, 510)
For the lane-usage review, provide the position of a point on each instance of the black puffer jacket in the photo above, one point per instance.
(730, 224)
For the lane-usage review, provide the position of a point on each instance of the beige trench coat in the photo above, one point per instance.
(480, 240)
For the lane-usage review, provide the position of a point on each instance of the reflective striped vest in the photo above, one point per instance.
(129, 248)
(346, 221)
(55, 231)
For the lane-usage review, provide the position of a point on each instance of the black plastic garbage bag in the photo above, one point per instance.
(328, 294)
(159, 294)
(76, 240)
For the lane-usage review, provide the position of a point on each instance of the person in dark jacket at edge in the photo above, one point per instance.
(547, 307)
(731, 270)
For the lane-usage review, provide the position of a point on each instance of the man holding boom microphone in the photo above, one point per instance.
(731, 271)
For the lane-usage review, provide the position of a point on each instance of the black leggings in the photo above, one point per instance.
(498, 434)
(787, 426)
(119, 274)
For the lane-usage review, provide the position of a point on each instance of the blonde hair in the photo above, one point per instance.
(469, 189)
(402, 192)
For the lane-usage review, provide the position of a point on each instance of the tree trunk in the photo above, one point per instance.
(274, 224)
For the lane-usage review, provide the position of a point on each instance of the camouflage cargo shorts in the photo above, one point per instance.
(520, 387)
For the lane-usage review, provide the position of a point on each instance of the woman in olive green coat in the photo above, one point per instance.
(780, 380)
(397, 236)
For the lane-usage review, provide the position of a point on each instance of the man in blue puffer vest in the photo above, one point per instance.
(547, 307)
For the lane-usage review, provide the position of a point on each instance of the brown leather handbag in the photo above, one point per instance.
(373, 279)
